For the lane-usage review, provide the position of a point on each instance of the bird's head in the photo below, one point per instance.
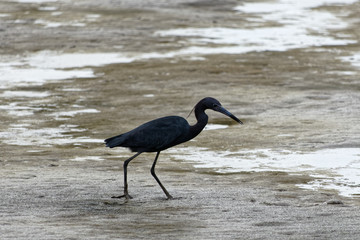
(212, 103)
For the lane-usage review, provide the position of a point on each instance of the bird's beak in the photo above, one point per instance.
(227, 113)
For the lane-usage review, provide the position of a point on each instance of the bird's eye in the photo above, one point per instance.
(215, 105)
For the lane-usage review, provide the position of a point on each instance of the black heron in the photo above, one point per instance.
(162, 133)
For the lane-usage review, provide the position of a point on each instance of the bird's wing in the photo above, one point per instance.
(157, 135)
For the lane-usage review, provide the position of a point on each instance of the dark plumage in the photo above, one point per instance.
(162, 133)
(153, 136)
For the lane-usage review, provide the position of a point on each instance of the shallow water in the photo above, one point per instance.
(73, 73)
(337, 169)
(301, 26)
(37, 103)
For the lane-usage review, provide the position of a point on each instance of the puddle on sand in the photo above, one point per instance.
(25, 135)
(87, 158)
(44, 66)
(24, 94)
(33, 1)
(34, 70)
(66, 114)
(210, 126)
(12, 76)
(335, 169)
(89, 18)
(301, 26)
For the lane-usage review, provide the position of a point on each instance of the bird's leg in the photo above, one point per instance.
(157, 179)
(126, 194)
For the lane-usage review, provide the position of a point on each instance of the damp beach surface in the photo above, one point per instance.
(73, 73)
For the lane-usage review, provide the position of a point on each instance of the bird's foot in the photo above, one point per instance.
(169, 197)
(127, 196)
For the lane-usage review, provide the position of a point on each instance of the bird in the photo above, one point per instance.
(163, 133)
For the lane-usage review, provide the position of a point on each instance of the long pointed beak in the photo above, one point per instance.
(227, 113)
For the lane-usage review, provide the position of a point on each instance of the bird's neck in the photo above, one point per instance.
(202, 120)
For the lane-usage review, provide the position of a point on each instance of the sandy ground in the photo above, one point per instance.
(48, 193)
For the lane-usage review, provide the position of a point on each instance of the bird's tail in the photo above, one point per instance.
(114, 141)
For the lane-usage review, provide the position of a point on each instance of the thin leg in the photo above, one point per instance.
(126, 194)
(157, 179)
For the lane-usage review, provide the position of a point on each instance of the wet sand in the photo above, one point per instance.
(299, 100)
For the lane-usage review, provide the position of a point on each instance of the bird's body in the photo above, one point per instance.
(154, 136)
(162, 133)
